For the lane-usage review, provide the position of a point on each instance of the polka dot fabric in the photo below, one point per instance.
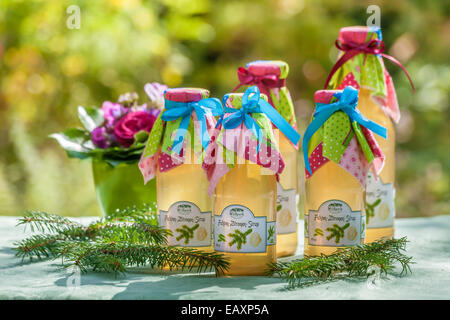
(349, 80)
(335, 133)
(279, 98)
(367, 71)
(240, 142)
(167, 162)
(350, 145)
(154, 137)
(147, 166)
(316, 160)
(354, 162)
(158, 151)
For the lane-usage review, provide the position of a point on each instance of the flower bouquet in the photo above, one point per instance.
(114, 138)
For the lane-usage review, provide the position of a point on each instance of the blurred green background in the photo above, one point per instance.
(48, 69)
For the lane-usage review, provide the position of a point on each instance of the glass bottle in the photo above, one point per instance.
(270, 77)
(335, 188)
(245, 191)
(380, 194)
(244, 199)
(378, 102)
(184, 205)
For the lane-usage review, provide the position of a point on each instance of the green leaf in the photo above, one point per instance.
(90, 117)
(73, 140)
(140, 137)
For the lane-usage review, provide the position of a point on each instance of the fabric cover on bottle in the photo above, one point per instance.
(367, 70)
(230, 144)
(158, 151)
(348, 144)
(270, 77)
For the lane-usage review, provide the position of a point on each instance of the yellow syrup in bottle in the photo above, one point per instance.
(287, 190)
(184, 206)
(331, 191)
(244, 218)
(380, 194)
(334, 194)
(287, 187)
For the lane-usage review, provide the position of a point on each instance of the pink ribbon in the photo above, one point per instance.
(264, 82)
(351, 49)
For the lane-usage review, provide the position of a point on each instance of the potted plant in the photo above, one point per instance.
(114, 138)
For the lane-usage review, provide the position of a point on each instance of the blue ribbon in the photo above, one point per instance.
(251, 103)
(175, 110)
(347, 101)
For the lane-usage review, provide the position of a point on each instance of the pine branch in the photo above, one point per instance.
(127, 238)
(38, 246)
(137, 228)
(118, 256)
(135, 232)
(45, 222)
(346, 263)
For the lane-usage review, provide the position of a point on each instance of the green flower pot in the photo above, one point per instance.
(121, 186)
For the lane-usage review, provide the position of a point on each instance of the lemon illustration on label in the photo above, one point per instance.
(383, 211)
(255, 239)
(351, 233)
(201, 234)
(284, 218)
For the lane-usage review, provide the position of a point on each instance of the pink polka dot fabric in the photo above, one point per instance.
(316, 160)
(354, 161)
(165, 161)
(235, 141)
(391, 104)
(378, 162)
(147, 166)
(349, 80)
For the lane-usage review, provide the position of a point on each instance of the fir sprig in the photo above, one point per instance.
(127, 238)
(345, 263)
(45, 222)
(118, 256)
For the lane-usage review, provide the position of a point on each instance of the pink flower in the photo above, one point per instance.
(112, 111)
(132, 123)
(100, 137)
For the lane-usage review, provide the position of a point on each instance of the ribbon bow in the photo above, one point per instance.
(347, 101)
(264, 82)
(175, 110)
(251, 103)
(351, 49)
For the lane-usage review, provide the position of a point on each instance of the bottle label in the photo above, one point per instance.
(380, 206)
(190, 226)
(238, 230)
(286, 210)
(334, 225)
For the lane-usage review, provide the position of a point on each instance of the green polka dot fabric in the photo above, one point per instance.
(363, 70)
(155, 137)
(280, 97)
(363, 142)
(283, 103)
(235, 101)
(337, 133)
(335, 136)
